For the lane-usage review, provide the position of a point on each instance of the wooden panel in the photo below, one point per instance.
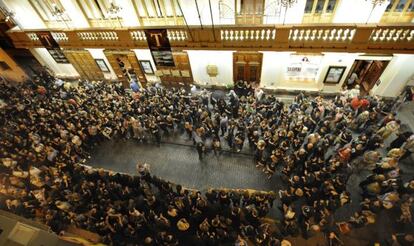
(131, 65)
(251, 12)
(85, 64)
(114, 64)
(137, 68)
(175, 76)
(247, 66)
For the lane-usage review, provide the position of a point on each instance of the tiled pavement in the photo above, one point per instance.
(179, 163)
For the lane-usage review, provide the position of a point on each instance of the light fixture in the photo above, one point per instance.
(114, 9)
(288, 3)
(56, 11)
(377, 2)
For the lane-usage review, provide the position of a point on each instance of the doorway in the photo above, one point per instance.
(125, 65)
(84, 64)
(365, 73)
(247, 66)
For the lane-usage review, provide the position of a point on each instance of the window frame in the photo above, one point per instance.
(392, 15)
(315, 17)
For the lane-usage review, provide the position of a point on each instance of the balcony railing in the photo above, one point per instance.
(342, 38)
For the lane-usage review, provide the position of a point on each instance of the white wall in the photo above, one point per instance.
(395, 76)
(335, 59)
(60, 70)
(273, 67)
(275, 64)
(273, 76)
(190, 12)
(25, 16)
(75, 14)
(145, 54)
(358, 11)
(200, 59)
(228, 11)
(98, 54)
(275, 13)
(128, 13)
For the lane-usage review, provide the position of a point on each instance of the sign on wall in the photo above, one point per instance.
(52, 47)
(303, 67)
(160, 48)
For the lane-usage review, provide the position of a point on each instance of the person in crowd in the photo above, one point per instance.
(311, 144)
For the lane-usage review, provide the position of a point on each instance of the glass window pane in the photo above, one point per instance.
(40, 10)
(177, 8)
(102, 8)
(319, 6)
(46, 9)
(140, 8)
(150, 9)
(388, 9)
(168, 8)
(308, 6)
(411, 7)
(331, 6)
(259, 7)
(400, 6)
(96, 12)
(157, 8)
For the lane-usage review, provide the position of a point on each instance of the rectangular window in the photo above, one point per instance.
(140, 8)
(309, 6)
(319, 6)
(331, 6)
(168, 8)
(389, 7)
(400, 6)
(99, 9)
(410, 7)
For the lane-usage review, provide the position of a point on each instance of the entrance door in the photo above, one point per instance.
(84, 64)
(126, 67)
(247, 66)
(368, 72)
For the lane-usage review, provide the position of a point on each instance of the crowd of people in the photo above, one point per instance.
(49, 128)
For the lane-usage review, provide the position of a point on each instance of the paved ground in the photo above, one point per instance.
(179, 163)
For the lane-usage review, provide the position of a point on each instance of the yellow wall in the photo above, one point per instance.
(15, 73)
